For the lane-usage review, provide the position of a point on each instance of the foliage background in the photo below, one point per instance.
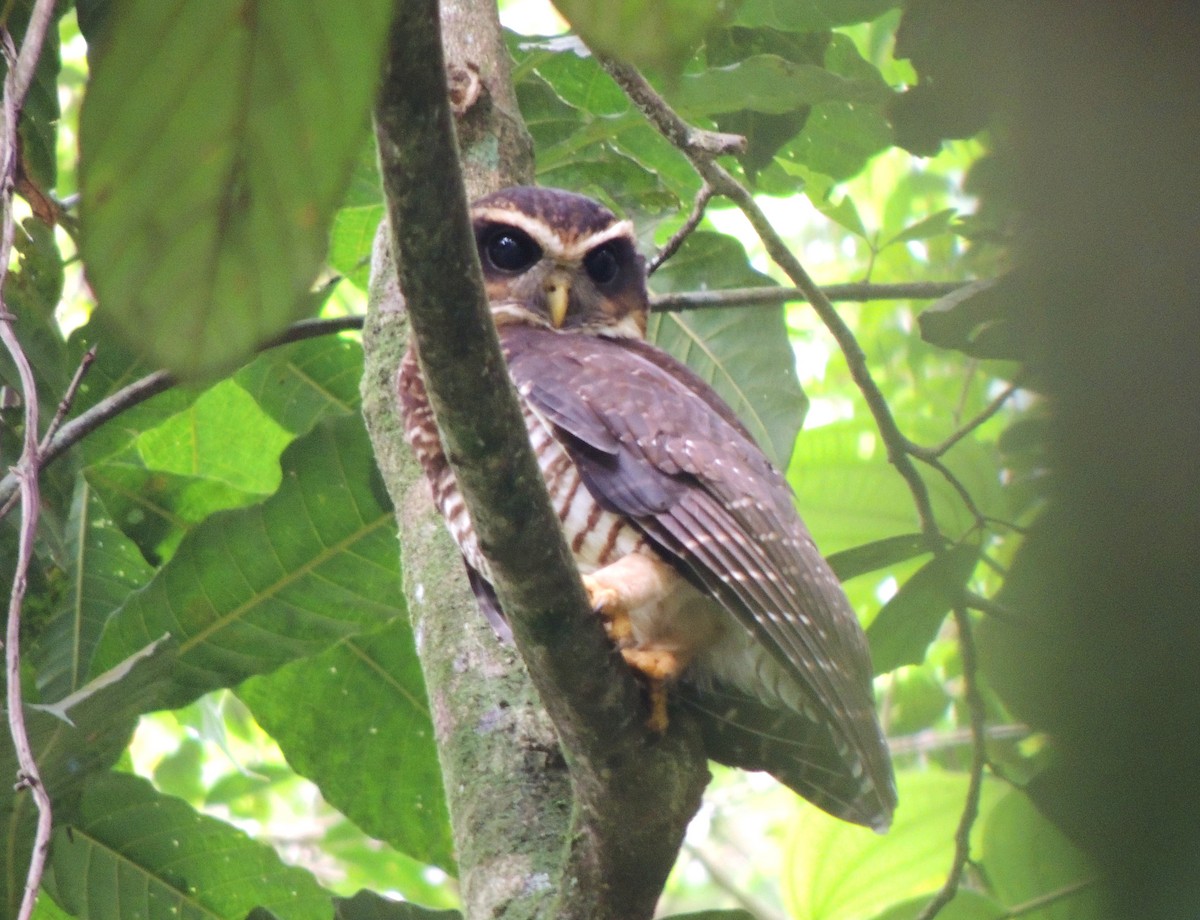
(269, 746)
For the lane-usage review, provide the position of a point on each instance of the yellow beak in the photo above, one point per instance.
(558, 291)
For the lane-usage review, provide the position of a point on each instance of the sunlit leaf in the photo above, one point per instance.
(250, 590)
(846, 490)
(135, 852)
(934, 224)
(839, 871)
(223, 435)
(297, 385)
(216, 141)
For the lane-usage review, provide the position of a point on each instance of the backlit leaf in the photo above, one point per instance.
(216, 141)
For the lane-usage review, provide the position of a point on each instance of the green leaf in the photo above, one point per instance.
(768, 83)
(250, 590)
(980, 319)
(743, 354)
(659, 34)
(876, 555)
(367, 905)
(840, 137)
(843, 872)
(355, 720)
(297, 385)
(903, 629)
(224, 436)
(211, 168)
(933, 225)
(846, 490)
(132, 851)
(104, 566)
(809, 15)
(350, 242)
(102, 717)
(1028, 858)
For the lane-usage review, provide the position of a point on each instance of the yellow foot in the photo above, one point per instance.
(606, 603)
(657, 666)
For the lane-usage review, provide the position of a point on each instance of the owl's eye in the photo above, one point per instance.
(602, 264)
(511, 250)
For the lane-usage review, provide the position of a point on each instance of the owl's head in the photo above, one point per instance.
(560, 260)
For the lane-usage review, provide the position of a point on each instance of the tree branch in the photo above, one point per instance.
(773, 296)
(613, 869)
(16, 84)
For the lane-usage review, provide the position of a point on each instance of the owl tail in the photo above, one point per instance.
(806, 756)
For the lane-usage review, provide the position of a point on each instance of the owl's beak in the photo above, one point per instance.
(558, 296)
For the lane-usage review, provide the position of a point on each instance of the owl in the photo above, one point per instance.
(685, 535)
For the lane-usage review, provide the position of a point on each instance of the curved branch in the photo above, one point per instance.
(773, 296)
(21, 67)
(613, 869)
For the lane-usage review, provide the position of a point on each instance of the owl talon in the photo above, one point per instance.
(657, 666)
(606, 604)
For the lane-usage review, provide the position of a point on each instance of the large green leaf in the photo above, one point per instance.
(771, 84)
(646, 33)
(843, 872)
(216, 140)
(104, 566)
(839, 137)
(743, 353)
(846, 491)
(298, 385)
(355, 720)
(1027, 858)
(250, 590)
(78, 737)
(133, 852)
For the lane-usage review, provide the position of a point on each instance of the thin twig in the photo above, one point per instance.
(1050, 897)
(672, 245)
(928, 453)
(770, 296)
(21, 67)
(978, 719)
(64, 404)
(929, 741)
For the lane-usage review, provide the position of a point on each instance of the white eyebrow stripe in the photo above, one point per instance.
(551, 242)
